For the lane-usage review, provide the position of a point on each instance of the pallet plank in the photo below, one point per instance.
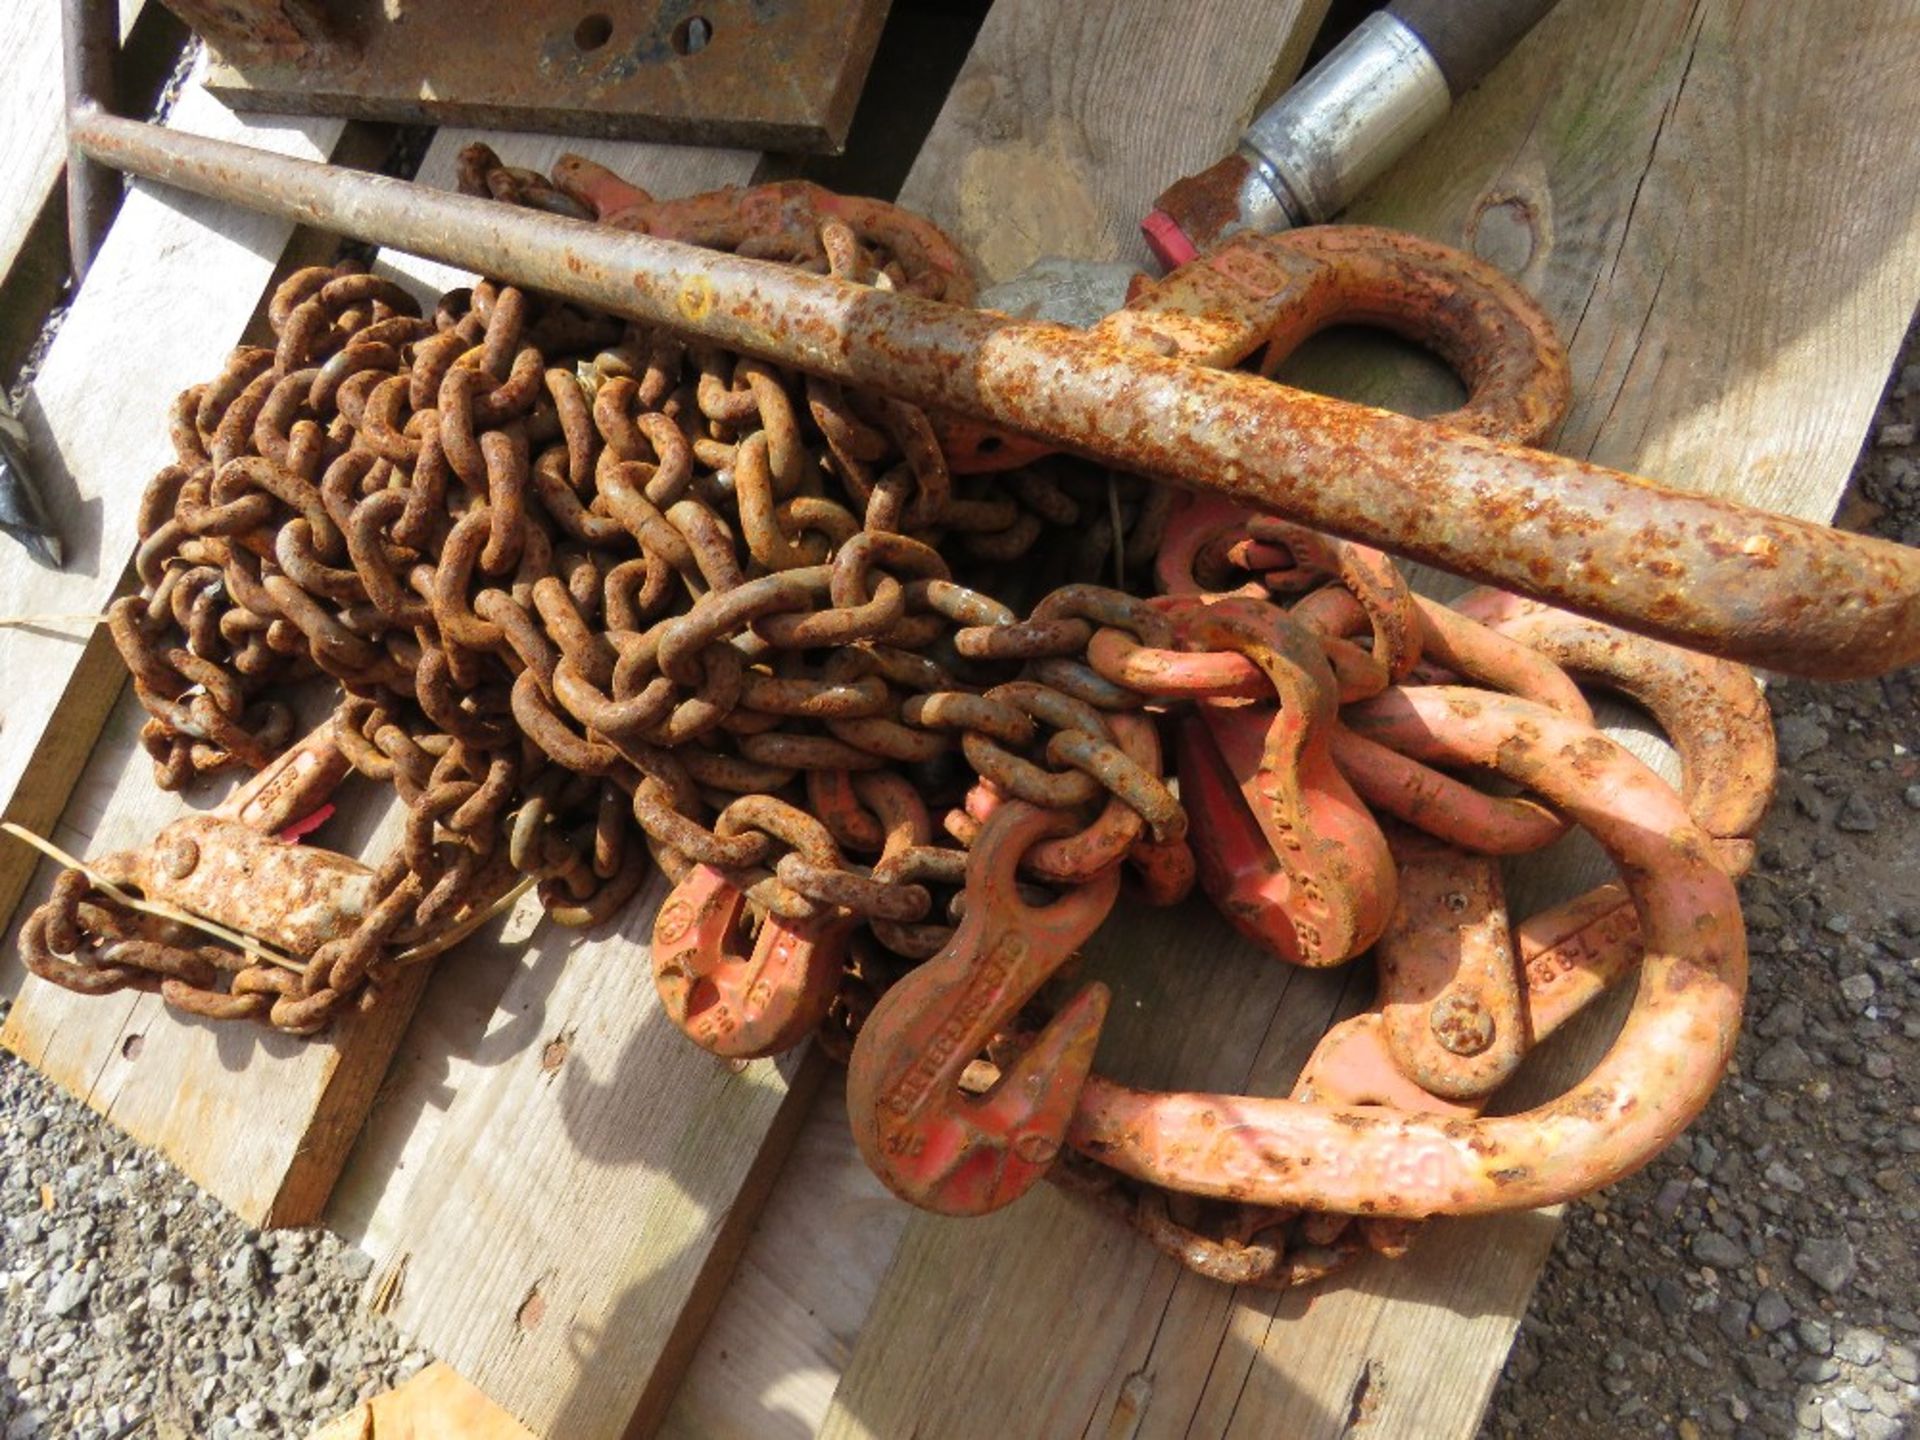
(1068, 120)
(34, 106)
(33, 202)
(563, 1180)
(1620, 163)
(768, 1364)
(33, 112)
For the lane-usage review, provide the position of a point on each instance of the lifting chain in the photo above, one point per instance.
(597, 599)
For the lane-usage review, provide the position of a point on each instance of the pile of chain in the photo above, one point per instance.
(596, 597)
(583, 585)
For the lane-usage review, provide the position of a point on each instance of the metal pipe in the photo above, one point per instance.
(1376, 93)
(90, 43)
(1312, 151)
(1705, 572)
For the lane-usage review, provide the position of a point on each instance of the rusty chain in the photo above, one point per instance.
(513, 534)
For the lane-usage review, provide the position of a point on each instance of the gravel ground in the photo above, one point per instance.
(1759, 1279)
(134, 1305)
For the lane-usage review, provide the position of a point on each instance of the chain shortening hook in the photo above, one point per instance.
(966, 1155)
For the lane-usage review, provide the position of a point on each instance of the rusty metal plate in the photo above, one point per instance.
(761, 74)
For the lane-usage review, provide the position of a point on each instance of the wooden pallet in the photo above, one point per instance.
(559, 1229)
(627, 1257)
(556, 1187)
(31, 164)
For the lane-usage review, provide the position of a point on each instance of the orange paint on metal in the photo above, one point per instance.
(967, 1155)
(743, 1003)
(1664, 1065)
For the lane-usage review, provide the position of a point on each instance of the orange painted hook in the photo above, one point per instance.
(967, 1155)
(1333, 892)
(735, 1002)
(1712, 710)
(1238, 869)
(1715, 717)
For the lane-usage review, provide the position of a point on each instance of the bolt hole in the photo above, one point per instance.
(1504, 233)
(693, 35)
(593, 32)
(532, 1310)
(131, 1047)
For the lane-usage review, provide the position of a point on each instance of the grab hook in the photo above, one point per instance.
(967, 1155)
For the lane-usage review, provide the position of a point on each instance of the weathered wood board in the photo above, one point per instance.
(261, 1121)
(36, 151)
(768, 1364)
(33, 202)
(1068, 120)
(1716, 202)
(564, 1220)
(33, 111)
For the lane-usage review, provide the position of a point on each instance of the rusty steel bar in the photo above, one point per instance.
(1701, 571)
(90, 44)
